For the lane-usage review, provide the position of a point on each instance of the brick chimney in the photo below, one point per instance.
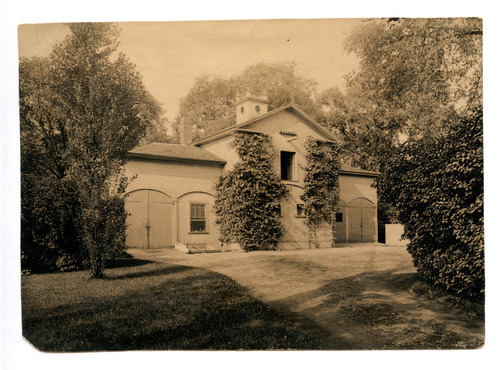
(185, 129)
(250, 106)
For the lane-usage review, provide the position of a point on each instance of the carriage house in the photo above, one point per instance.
(170, 202)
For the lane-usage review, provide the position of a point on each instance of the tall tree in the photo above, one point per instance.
(211, 101)
(210, 104)
(281, 84)
(415, 77)
(359, 127)
(83, 111)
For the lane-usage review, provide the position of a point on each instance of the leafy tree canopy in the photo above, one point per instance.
(415, 76)
(211, 101)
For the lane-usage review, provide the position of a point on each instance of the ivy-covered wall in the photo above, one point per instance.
(322, 188)
(248, 197)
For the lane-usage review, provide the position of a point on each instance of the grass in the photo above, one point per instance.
(400, 322)
(151, 306)
(348, 298)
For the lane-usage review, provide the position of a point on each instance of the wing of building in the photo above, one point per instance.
(170, 201)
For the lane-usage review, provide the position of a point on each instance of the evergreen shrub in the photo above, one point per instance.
(437, 187)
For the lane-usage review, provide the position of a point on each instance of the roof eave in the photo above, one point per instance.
(359, 173)
(176, 159)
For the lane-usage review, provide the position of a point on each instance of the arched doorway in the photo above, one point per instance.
(149, 220)
(361, 220)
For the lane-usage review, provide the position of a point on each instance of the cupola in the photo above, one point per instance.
(250, 106)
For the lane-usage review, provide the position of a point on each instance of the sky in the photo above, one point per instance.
(170, 55)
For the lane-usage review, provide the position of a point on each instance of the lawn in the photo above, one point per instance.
(358, 297)
(151, 305)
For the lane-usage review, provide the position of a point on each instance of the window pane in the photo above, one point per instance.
(198, 226)
(299, 209)
(287, 165)
(339, 217)
(197, 210)
(198, 219)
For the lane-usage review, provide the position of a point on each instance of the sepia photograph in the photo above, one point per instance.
(278, 185)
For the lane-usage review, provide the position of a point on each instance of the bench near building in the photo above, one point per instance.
(170, 202)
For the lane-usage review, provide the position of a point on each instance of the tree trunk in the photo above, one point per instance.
(96, 264)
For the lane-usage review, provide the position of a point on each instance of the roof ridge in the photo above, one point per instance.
(297, 109)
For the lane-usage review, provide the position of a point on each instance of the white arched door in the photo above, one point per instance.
(149, 219)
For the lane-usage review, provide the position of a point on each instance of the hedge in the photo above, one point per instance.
(437, 187)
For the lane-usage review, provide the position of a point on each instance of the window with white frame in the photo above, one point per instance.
(198, 218)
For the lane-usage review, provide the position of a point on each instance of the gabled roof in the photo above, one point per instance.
(178, 152)
(290, 107)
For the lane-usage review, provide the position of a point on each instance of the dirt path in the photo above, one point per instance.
(359, 295)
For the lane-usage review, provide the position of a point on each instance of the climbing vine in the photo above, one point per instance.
(247, 202)
(321, 188)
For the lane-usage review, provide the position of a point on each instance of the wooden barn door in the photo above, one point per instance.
(149, 220)
(361, 220)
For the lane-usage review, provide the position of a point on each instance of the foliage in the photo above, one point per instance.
(414, 77)
(364, 141)
(437, 187)
(211, 101)
(49, 240)
(321, 184)
(281, 84)
(417, 71)
(157, 128)
(247, 202)
(81, 111)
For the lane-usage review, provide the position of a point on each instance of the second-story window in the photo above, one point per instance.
(288, 166)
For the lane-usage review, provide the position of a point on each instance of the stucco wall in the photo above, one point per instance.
(188, 183)
(352, 187)
(394, 234)
(184, 183)
(184, 235)
(295, 236)
(172, 178)
(222, 150)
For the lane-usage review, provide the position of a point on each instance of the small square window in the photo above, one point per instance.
(198, 218)
(339, 217)
(300, 212)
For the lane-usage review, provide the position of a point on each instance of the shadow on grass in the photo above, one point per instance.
(154, 307)
(171, 269)
(125, 262)
(376, 310)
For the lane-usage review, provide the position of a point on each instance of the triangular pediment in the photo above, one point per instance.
(307, 120)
